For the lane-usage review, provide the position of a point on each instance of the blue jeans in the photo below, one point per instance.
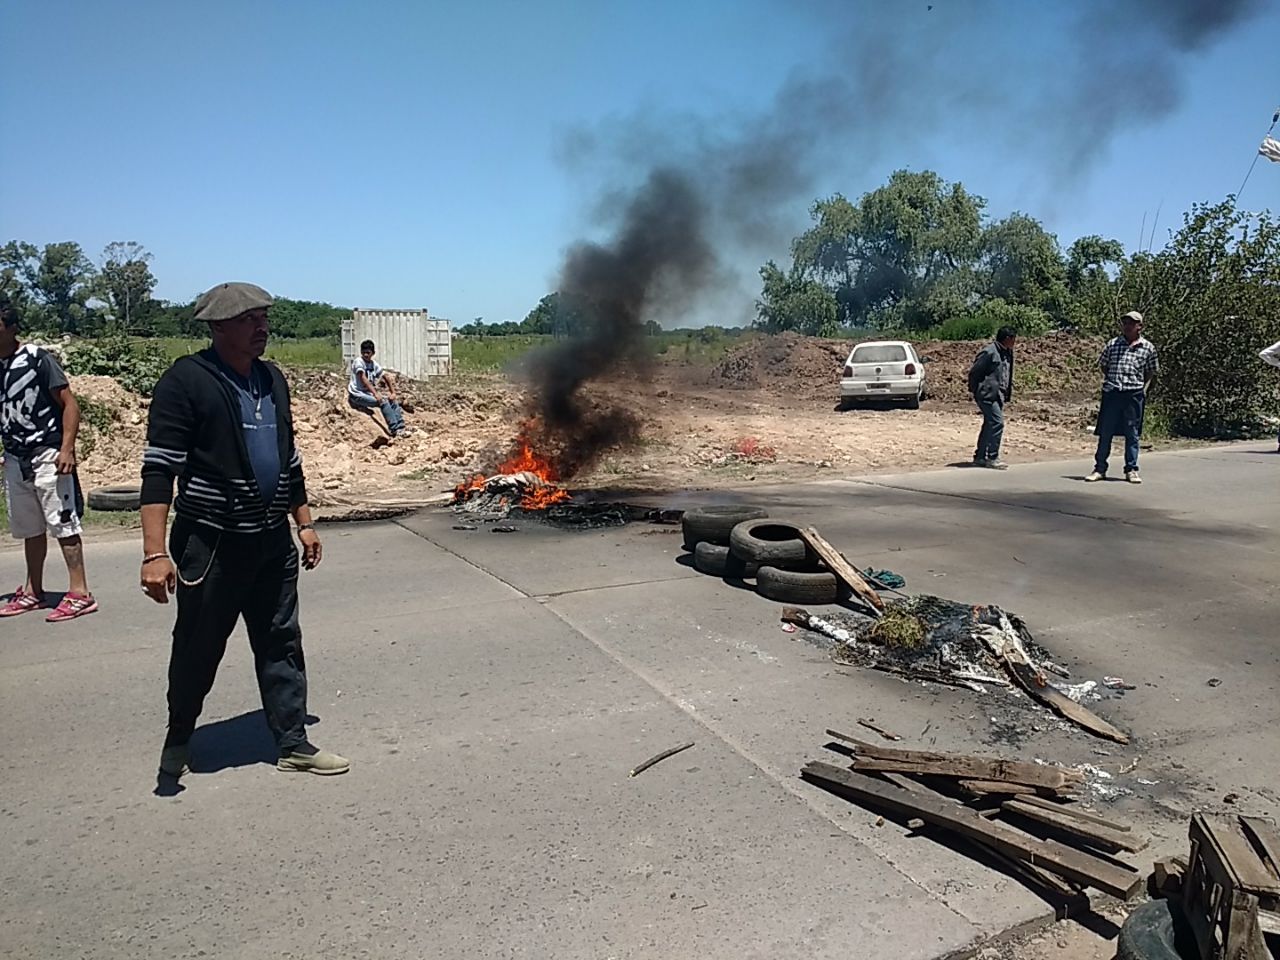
(390, 409)
(992, 430)
(1121, 413)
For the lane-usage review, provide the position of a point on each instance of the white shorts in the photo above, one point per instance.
(44, 504)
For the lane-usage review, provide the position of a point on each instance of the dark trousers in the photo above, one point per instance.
(254, 576)
(992, 430)
(1120, 414)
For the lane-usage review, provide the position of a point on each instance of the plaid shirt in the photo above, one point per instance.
(1128, 366)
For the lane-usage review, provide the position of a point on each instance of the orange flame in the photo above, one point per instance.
(523, 460)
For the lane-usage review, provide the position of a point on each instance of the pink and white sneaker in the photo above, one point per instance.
(21, 602)
(73, 605)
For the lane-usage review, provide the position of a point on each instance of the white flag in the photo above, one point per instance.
(1270, 149)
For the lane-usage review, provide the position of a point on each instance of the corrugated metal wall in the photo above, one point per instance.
(408, 341)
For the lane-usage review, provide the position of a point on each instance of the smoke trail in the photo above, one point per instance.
(683, 197)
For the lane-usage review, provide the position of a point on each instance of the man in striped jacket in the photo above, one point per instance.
(220, 424)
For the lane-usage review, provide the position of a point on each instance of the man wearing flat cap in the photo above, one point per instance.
(1128, 365)
(220, 424)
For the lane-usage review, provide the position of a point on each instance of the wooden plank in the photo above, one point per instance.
(841, 567)
(1266, 838)
(1071, 810)
(1103, 838)
(1049, 855)
(868, 756)
(1228, 846)
(984, 788)
(1032, 682)
(1067, 898)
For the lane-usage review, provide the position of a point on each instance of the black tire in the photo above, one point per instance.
(799, 586)
(712, 524)
(719, 561)
(1156, 931)
(115, 498)
(913, 403)
(770, 543)
(847, 403)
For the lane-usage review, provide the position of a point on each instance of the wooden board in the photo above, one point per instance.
(841, 567)
(1266, 838)
(1056, 858)
(1029, 680)
(869, 756)
(986, 788)
(1227, 849)
(1071, 810)
(1103, 838)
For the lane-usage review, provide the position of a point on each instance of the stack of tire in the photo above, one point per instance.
(743, 543)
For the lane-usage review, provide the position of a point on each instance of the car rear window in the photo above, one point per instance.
(879, 353)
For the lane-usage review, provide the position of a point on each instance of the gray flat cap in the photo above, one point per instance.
(228, 300)
(1134, 314)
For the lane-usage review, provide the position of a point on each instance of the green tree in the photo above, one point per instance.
(1024, 266)
(125, 281)
(1092, 268)
(19, 266)
(884, 258)
(63, 284)
(1213, 301)
(790, 301)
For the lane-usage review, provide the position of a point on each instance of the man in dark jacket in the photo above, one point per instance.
(220, 423)
(991, 384)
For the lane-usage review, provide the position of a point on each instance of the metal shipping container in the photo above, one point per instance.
(408, 341)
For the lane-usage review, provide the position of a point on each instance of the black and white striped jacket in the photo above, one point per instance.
(194, 434)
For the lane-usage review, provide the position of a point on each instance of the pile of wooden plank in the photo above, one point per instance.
(1016, 814)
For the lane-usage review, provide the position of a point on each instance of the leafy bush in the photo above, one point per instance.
(136, 366)
(974, 327)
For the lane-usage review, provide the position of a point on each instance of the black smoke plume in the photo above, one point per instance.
(686, 200)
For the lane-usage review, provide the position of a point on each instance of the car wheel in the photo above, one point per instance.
(847, 403)
(913, 402)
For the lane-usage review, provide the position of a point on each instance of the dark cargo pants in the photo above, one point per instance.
(222, 577)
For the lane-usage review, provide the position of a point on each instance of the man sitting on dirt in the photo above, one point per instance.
(362, 391)
(991, 383)
(39, 419)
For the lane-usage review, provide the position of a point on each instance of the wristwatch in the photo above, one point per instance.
(306, 526)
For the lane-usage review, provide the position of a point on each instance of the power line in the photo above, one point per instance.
(1274, 120)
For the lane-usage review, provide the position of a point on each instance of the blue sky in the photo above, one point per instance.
(410, 154)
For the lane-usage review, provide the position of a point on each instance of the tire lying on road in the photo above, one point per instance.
(115, 498)
(712, 524)
(770, 543)
(719, 561)
(1156, 931)
(800, 586)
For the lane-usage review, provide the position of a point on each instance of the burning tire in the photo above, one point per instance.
(719, 561)
(770, 543)
(799, 586)
(713, 524)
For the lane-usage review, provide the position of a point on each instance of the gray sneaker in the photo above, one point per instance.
(1095, 477)
(310, 760)
(175, 761)
(1132, 476)
(996, 464)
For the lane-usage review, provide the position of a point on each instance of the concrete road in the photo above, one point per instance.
(494, 691)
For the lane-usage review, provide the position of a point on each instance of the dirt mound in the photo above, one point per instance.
(786, 362)
(113, 431)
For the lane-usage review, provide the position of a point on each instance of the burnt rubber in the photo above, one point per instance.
(115, 498)
(799, 586)
(770, 543)
(712, 524)
(718, 561)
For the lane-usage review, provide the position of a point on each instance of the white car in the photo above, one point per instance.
(882, 369)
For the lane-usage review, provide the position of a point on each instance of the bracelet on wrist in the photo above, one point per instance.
(154, 556)
(306, 526)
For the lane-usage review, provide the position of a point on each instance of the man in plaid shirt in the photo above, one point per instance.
(1129, 365)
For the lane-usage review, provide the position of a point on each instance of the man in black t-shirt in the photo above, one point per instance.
(39, 420)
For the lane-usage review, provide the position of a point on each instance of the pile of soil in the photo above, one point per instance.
(786, 363)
